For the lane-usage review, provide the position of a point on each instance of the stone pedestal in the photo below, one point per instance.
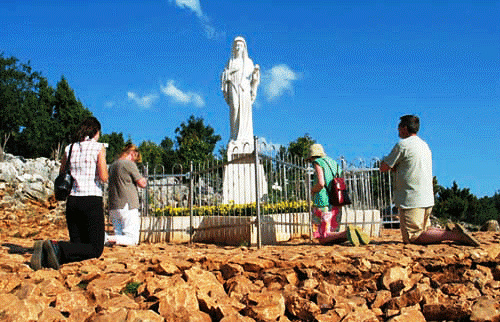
(239, 185)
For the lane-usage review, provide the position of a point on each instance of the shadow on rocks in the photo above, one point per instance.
(17, 249)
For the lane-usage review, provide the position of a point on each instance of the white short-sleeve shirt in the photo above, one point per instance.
(84, 168)
(411, 158)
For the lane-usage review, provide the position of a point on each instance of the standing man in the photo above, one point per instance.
(411, 160)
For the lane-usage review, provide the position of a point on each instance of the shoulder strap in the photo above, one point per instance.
(68, 160)
(335, 174)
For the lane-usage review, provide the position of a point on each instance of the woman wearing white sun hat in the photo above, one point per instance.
(325, 169)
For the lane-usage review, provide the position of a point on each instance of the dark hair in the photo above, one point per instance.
(88, 128)
(412, 123)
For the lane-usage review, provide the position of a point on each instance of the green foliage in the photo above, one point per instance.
(454, 203)
(296, 152)
(223, 153)
(68, 111)
(132, 288)
(459, 204)
(496, 201)
(38, 136)
(152, 155)
(300, 147)
(195, 142)
(17, 82)
(35, 119)
(115, 143)
(485, 211)
(169, 155)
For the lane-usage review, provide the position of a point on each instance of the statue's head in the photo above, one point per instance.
(239, 46)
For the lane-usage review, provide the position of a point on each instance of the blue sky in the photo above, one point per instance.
(341, 71)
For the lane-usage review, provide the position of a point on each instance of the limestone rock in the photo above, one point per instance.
(265, 306)
(230, 270)
(144, 315)
(394, 279)
(301, 308)
(449, 311)
(299, 280)
(411, 313)
(51, 314)
(490, 225)
(118, 302)
(485, 309)
(239, 286)
(177, 300)
(382, 297)
(71, 301)
(361, 314)
(211, 295)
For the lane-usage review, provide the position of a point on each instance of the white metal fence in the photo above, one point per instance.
(190, 205)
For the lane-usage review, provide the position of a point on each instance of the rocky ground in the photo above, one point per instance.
(296, 281)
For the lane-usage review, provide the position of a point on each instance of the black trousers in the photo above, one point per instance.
(85, 220)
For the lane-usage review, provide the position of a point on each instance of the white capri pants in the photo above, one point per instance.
(127, 224)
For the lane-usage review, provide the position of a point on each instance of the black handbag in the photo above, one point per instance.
(64, 181)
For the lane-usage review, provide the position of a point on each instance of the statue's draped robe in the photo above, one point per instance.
(236, 84)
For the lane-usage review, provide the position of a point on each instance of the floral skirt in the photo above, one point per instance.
(326, 220)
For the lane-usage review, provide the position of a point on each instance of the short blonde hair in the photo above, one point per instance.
(130, 147)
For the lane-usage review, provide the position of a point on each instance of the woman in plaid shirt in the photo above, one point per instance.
(84, 207)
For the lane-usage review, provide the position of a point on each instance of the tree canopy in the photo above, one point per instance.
(300, 147)
(115, 143)
(195, 142)
(35, 119)
(459, 204)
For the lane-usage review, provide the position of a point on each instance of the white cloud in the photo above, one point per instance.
(109, 104)
(144, 102)
(195, 6)
(181, 97)
(279, 80)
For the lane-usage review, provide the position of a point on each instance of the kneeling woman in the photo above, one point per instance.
(325, 169)
(84, 207)
(124, 178)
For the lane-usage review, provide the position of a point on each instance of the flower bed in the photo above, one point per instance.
(235, 210)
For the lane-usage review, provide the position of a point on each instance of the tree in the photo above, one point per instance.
(296, 152)
(195, 142)
(68, 111)
(170, 160)
(300, 147)
(496, 202)
(35, 119)
(16, 80)
(456, 204)
(486, 210)
(223, 153)
(37, 137)
(115, 143)
(152, 155)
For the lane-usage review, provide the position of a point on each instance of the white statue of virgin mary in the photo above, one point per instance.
(240, 80)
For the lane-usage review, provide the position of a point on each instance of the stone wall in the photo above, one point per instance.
(28, 179)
